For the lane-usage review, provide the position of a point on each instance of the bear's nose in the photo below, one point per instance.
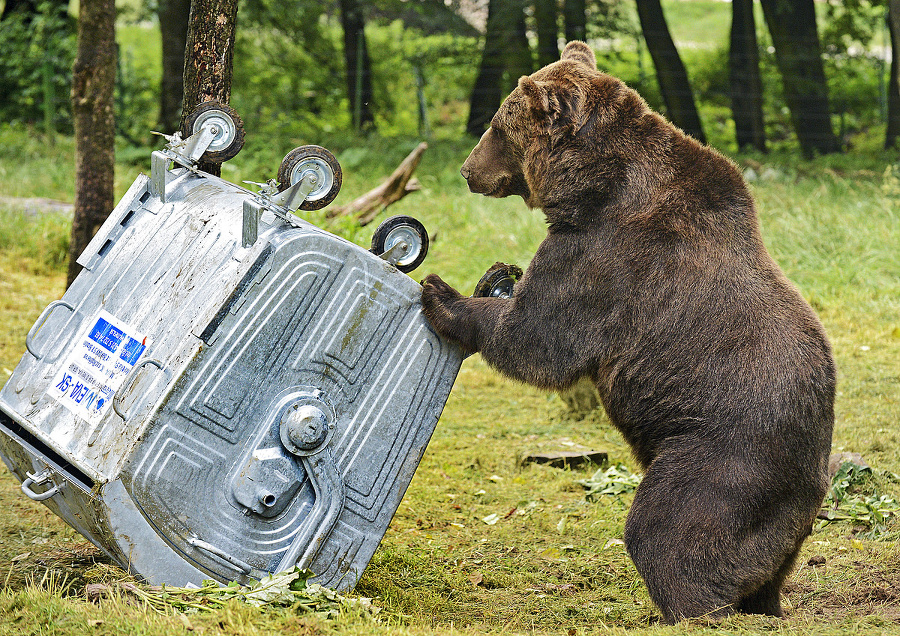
(464, 171)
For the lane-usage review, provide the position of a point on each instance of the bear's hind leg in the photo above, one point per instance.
(683, 550)
(698, 543)
(767, 599)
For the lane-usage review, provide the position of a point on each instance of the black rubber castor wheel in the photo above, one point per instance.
(498, 281)
(404, 229)
(229, 137)
(317, 162)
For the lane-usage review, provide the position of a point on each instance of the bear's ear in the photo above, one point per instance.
(536, 95)
(579, 52)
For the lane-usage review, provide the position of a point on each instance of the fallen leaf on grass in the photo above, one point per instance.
(491, 519)
(21, 557)
(476, 578)
(552, 554)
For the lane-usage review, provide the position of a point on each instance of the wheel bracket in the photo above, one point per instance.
(397, 251)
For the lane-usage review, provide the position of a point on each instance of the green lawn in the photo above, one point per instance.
(480, 543)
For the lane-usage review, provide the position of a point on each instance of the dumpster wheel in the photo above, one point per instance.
(318, 162)
(498, 281)
(401, 240)
(230, 136)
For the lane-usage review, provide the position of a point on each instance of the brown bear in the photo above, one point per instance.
(653, 281)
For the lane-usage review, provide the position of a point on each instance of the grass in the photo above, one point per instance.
(481, 543)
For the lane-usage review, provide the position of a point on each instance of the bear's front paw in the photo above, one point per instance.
(438, 299)
(446, 310)
(437, 296)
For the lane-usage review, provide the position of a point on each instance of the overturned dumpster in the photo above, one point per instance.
(226, 390)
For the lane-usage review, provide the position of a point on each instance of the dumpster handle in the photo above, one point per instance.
(37, 480)
(129, 380)
(330, 496)
(208, 547)
(29, 338)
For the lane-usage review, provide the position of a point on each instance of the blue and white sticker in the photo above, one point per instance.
(97, 366)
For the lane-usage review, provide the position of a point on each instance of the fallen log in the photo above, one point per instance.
(391, 190)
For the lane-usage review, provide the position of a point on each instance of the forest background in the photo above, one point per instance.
(817, 75)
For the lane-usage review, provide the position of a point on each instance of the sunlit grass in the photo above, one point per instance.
(546, 560)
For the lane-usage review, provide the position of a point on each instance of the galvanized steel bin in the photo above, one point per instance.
(200, 405)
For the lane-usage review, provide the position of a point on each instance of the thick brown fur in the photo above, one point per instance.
(653, 281)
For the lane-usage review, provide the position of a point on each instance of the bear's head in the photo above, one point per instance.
(557, 134)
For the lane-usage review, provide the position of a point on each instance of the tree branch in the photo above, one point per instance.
(391, 190)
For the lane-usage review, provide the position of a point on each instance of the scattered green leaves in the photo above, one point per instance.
(616, 480)
(285, 589)
(854, 497)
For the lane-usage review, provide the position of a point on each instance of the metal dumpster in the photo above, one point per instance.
(225, 391)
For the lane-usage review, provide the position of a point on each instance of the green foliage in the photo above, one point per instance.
(611, 19)
(850, 24)
(288, 70)
(138, 72)
(444, 63)
(854, 497)
(36, 56)
(289, 74)
(615, 480)
(857, 74)
(285, 589)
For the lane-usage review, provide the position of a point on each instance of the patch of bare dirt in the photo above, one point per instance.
(37, 205)
(867, 591)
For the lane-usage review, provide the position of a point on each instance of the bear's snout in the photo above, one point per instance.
(470, 176)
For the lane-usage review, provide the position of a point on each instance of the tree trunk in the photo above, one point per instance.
(547, 32)
(208, 58)
(893, 117)
(670, 71)
(575, 18)
(745, 82)
(798, 56)
(487, 93)
(359, 67)
(517, 59)
(93, 80)
(173, 21)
